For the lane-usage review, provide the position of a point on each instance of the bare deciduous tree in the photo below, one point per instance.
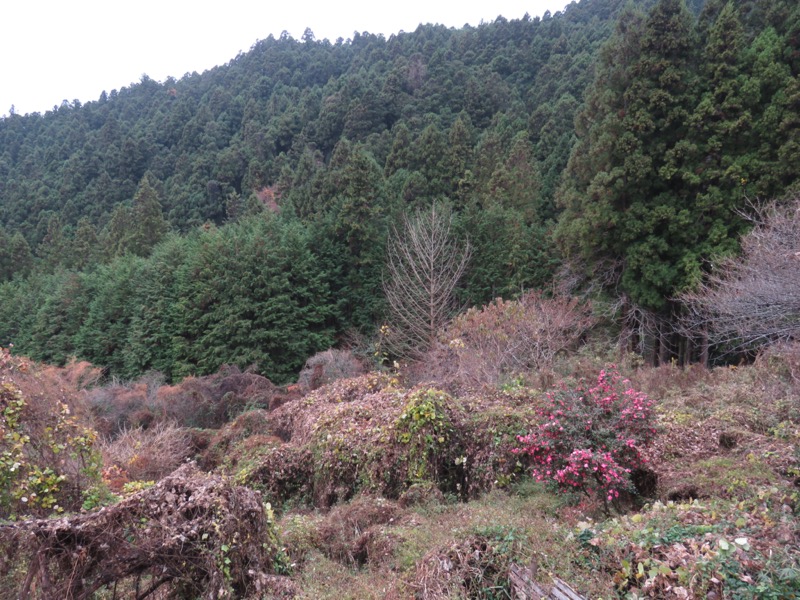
(424, 264)
(754, 299)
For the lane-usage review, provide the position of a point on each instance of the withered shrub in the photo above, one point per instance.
(345, 534)
(147, 454)
(191, 535)
(329, 366)
(476, 566)
(48, 458)
(200, 402)
(509, 338)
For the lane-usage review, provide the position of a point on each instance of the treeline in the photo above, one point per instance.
(612, 140)
(688, 122)
(253, 292)
(266, 289)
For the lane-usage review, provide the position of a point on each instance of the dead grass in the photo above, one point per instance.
(281, 472)
(348, 533)
(326, 579)
(726, 430)
(459, 550)
(728, 436)
(147, 454)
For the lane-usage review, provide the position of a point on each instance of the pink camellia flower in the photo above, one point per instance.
(599, 444)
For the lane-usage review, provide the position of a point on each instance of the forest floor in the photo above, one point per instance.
(376, 489)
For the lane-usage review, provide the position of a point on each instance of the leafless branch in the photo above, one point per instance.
(754, 300)
(424, 263)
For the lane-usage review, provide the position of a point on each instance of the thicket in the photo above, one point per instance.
(510, 339)
(49, 460)
(753, 300)
(192, 535)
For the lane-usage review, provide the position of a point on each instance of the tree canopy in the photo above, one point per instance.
(613, 141)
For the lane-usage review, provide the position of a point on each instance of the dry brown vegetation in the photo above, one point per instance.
(192, 535)
(48, 458)
(424, 264)
(356, 435)
(329, 366)
(753, 300)
(206, 402)
(147, 454)
(388, 491)
(508, 339)
(728, 439)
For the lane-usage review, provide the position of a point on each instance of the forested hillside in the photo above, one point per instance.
(241, 215)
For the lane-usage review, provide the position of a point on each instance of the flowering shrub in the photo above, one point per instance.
(591, 437)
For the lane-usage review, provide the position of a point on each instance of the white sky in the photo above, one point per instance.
(52, 50)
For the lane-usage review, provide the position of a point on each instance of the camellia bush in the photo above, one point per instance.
(590, 437)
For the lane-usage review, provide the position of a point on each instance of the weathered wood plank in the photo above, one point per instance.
(524, 587)
(562, 591)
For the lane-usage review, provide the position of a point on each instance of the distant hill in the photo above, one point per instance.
(241, 215)
(282, 107)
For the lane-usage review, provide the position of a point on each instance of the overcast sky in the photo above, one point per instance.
(54, 50)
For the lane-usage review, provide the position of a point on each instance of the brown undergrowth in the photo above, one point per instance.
(192, 534)
(203, 402)
(48, 455)
(719, 518)
(725, 431)
(370, 434)
(386, 491)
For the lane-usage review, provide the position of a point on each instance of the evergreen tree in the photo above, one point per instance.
(771, 78)
(15, 256)
(103, 335)
(356, 221)
(431, 160)
(154, 340)
(85, 245)
(116, 232)
(53, 248)
(458, 157)
(251, 293)
(58, 319)
(148, 225)
(400, 156)
(721, 160)
(509, 254)
(628, 216)
(516, 182)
